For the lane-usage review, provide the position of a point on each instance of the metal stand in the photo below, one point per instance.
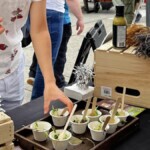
(93, 39)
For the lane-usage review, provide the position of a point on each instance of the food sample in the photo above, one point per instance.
(78, 120)
(94, 114)
(56, 136)
(55, 111)
(97, 127)
(120, 113)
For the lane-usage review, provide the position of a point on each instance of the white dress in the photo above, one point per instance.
(14, 14)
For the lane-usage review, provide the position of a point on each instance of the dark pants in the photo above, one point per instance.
(33, 66)
(61, 57)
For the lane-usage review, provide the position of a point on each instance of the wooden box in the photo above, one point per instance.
(6, 129)
(116, 68)
(9, 146)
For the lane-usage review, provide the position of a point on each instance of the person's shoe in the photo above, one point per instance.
(30, 81)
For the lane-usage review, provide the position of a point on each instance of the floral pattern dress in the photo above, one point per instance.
(14, 14)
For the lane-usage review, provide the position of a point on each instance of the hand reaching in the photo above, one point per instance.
(51, 93)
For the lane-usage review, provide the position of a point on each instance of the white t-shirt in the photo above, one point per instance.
(57, 5)
(14, 14)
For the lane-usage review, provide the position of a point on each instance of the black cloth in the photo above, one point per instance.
(26, 34)
(30, 112)
(141, 139)
(33, 66)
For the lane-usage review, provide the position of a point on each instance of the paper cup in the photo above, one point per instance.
(59, 121)
(93, 118)
(112, 126)
(122, 118)
(97, 134)
(57, 144)
(40, 130)
(79, 128)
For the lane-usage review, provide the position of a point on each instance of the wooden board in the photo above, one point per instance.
(6, 132)
(116, 68)
(4, 118)
(7, 147)
(26, 141)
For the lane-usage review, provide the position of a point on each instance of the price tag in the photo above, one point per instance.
(106, 91)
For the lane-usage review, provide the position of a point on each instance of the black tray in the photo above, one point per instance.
(25, 138)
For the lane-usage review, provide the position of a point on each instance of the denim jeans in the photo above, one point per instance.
(55, 25)
(61, 58)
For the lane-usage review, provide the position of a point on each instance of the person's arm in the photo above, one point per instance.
(1, 26)
(75, 8)
(42, 46)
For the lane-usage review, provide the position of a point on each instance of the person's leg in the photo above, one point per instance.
(61, 58)
(12, 88)
(137, 13)
(38, 86)
(55, 25)
(129, 10)
(33, 67)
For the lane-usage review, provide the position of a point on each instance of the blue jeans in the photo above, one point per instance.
(55, 25)
(61, 58)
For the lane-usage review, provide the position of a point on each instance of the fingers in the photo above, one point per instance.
(79, 31)
(80, 27)
(46, 106)
(67, 101)
(63, 99)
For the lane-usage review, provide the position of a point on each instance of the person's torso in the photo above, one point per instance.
(57, 5)
(14, 14)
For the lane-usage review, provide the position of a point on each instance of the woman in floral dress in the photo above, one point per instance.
(13, 15)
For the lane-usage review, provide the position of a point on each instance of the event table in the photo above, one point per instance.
(32, 111)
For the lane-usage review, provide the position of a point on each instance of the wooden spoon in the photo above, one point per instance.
(61, 136)
(105, 123)
(64, 110)
(93, 106)
(115, 110)
(86, 109)
(122, 104)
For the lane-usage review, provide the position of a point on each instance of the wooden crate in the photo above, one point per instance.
(9, 146)
(115, 68)
(6, 129)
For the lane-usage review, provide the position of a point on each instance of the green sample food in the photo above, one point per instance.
(56, 136)
(97, 127)
(95, 113)
(55, 111)
(77, 120)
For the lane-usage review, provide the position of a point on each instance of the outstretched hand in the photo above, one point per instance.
(51, 93)
(1, 27)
